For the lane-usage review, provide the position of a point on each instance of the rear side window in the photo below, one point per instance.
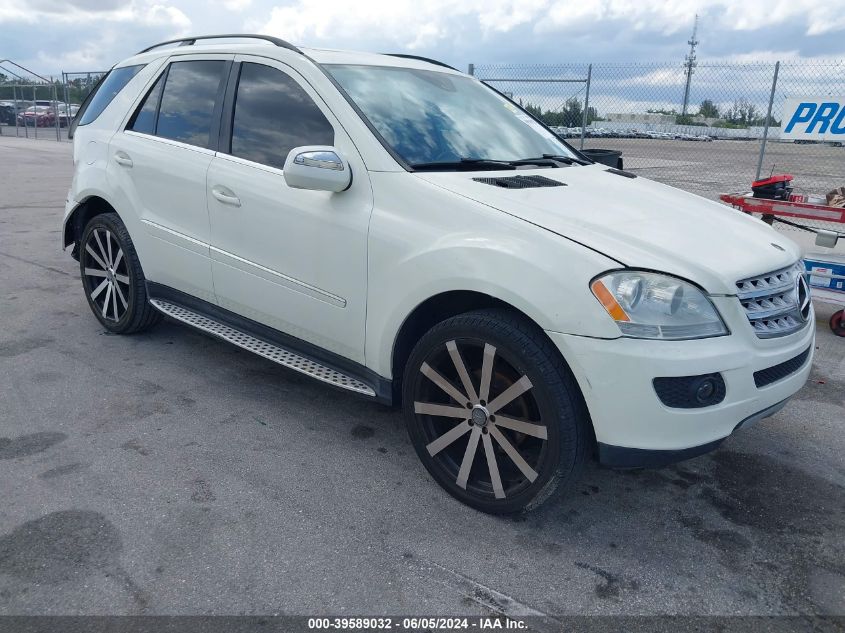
(145, 118)
(112, 83)
(273, 114)
(187, 104)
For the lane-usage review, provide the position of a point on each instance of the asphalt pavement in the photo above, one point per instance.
(171, 473)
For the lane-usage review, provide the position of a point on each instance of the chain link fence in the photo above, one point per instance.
(710, 132)
(43, 109)
(31, 110)
(718, 140)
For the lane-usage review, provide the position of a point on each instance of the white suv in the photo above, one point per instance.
(397, 229)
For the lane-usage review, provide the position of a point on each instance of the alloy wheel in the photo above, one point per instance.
(491, 441)
(106, 274)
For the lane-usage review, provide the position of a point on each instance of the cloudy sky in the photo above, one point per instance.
(53, 35)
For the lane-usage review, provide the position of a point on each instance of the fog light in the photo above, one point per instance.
(705, 390)
(691, 392)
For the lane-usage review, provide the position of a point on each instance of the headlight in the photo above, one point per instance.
(651, 305)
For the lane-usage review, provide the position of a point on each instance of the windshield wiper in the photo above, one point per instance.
(473, 164)
(465, 164)
(547, 158)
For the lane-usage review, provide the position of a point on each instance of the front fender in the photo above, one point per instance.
(435, 246)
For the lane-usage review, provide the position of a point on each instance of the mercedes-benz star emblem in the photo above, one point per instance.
(479, 415)
(802, 296)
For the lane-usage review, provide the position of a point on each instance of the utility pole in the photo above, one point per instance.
(690, 64)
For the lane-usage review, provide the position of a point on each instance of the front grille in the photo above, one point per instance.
(777, 303)
(520, 182)
(780, 371)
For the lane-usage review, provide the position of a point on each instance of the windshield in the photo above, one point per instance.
(433, 117)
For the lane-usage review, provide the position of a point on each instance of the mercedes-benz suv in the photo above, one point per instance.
(395, 228)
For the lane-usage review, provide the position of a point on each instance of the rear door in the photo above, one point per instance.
(160, 161)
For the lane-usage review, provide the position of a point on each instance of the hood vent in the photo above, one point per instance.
(520, 182)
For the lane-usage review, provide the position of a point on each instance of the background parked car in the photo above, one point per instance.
(7, 113)
(41, 116)
(66, 113)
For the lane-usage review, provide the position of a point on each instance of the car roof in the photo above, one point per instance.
(268, 49)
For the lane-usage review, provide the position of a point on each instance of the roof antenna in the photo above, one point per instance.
(773, 171)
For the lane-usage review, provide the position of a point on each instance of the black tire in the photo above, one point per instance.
(549, 403)
(837, 323)
(105, 241)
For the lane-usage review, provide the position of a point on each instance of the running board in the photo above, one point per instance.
(270, 351)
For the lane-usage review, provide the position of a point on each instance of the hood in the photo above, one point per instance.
(637, 222)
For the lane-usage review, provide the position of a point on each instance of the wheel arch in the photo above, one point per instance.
(428, 314)
(437, 308)
(451, 303)
(79, 217)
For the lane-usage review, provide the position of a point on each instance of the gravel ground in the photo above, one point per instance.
(169, 473)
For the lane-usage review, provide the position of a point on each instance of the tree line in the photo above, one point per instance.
(570, 115)
(741, 114)
(22, 89)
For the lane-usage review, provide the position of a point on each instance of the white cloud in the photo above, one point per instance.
(235, 5)
(143, 12)
(49, 35)
(408, 23)
(417, 23)
(47, 32)
(162, 15)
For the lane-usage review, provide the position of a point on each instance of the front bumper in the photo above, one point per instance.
(615, 376)
(624, 457)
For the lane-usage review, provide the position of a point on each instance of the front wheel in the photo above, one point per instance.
(112, 277)
(494, 412)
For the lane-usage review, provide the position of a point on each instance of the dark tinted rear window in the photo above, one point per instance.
(114, 82)
(187, 105)
(273, 114)
(145, 118)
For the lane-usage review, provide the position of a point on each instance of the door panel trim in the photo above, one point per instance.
(175, 237)
(249, 163)
(170, 141)
(224, 257)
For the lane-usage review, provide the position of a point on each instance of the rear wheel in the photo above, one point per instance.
(493, 412)
(112, 277)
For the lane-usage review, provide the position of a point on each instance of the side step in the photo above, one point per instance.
(270, 351)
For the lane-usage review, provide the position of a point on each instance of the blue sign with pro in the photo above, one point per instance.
(816, 118)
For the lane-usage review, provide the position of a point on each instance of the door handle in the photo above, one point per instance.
(122, 158)
(226, 196)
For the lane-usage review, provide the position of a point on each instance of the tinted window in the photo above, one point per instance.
(145, 118)
(187, 104)
(111, 84)
(273, 114)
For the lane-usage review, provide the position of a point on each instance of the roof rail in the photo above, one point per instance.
(188, 41)
(422, 59)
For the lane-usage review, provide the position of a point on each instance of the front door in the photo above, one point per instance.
(292, 259)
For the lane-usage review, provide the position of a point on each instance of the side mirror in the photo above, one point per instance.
(317, 167)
